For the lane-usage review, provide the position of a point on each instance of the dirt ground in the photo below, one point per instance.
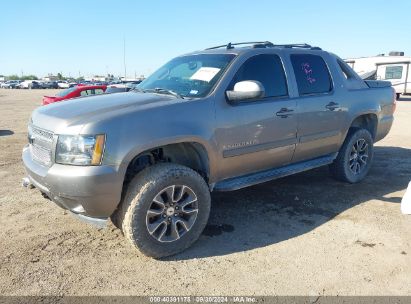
(301, 235)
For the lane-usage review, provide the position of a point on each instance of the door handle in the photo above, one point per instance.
(284, 112)
(332, 106)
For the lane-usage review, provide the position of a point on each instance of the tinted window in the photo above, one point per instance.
(266, 69)
(311, 74)
(87, 92)
(66, 92)
(393, 72)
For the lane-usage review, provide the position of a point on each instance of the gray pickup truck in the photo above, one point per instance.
(220, 119)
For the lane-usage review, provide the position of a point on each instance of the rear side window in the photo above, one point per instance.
(267, 69)
(311, 73)
(87, 92)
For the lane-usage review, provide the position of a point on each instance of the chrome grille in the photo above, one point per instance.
(41, 145)
(41, 155)
(42, 134)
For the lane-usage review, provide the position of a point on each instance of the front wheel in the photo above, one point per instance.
(165, 209)
(355, 157)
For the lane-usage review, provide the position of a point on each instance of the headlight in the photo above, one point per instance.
(80, 150)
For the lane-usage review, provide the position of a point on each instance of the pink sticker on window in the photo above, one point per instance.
(308, 71)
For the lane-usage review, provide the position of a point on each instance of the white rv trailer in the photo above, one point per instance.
(394, 68)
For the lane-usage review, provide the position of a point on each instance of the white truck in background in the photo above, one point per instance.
(394, 68)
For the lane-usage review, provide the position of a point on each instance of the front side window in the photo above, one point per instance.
(311, 73)
(393, 72)
(267, 69)
(189, 76)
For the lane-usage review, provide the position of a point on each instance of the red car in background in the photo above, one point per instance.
(77, 91)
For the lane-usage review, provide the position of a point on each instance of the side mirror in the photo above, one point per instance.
(245, 90)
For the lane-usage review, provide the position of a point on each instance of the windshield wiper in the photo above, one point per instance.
(165, 91)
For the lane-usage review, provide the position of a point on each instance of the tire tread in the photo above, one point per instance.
(136, 192)
(338, 167)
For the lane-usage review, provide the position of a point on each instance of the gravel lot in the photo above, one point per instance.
(302, 235)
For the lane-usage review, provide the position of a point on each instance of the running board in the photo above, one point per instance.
(236, 183)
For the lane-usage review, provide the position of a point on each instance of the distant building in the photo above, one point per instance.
(97, 78)
(141, 78)
(50, 77)
(2, 78)
(395, 68)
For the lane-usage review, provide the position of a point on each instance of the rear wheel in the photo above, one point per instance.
(165, 209)
(355, 157)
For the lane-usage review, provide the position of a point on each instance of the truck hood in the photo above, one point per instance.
(70, 115)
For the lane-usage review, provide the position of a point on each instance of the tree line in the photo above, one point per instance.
(23, 77)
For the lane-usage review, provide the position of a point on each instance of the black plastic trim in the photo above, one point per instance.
(265, 176)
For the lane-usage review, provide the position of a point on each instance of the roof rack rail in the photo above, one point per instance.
(302, 46)
(295, 45)
(265, 44)
(231, 45)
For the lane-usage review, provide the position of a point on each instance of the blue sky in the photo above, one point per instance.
(86, 37)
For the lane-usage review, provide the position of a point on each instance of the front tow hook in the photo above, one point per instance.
(25, 182)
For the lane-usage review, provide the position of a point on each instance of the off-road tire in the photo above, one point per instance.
(141, 191)
(340, 168)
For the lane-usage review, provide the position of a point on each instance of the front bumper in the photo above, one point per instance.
(89, 191)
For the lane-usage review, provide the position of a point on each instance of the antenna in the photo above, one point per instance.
(124, 59)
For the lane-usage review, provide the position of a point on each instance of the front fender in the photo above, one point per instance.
(169, 141)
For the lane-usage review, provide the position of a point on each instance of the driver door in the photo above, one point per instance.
(255, 135)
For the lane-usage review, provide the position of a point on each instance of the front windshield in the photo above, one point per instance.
(66, 92)
(189, 76)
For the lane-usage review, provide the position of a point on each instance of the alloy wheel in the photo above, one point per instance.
(172, 213)
(359, 156)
